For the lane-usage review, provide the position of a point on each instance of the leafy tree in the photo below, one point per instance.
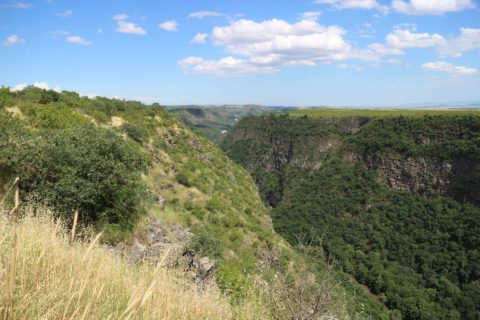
(86, 167)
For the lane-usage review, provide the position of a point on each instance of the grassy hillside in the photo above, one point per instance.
(377, 196)
(44, 275)
(119, 162)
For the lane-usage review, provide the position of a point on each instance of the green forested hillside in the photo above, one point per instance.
(376, 195)
(120, 162)
(214, 121)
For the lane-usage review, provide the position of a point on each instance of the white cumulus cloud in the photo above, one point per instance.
(277, 41)
(355, 4)
(311, 15)
(434, 7)
(385, 50)
(443, 66)
(19, 87)
(200, 38)
(13, 40)
(467, 40)
(405, 38)
(171, 26)
(78, 40)
(204, 14)
(270, 45)
(120, 16)
(41, 85)
(124, 26)
(228, 66)
(92, 95)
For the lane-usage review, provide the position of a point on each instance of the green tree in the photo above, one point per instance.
(90, 168)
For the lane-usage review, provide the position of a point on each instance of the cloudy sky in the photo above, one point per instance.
(272, 52)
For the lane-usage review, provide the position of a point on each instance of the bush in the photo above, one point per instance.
(204, 244)
(137, 133)
(182, 178)
(90, 168)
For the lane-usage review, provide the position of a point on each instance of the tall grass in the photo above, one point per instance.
(43, 275)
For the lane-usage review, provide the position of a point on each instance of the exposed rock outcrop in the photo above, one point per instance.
(272, 148)
(167, 244)
(457, 178)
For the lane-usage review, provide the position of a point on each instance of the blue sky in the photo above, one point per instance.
(271, 52)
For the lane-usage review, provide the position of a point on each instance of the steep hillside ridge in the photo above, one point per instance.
(187, 181)
(124, 164)
(392, 200)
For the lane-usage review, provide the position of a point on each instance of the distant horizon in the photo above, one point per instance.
(461, 105)
(474, 104)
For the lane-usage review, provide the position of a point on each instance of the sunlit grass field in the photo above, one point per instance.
(342, 112)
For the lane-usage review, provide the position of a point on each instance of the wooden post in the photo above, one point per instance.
(75, 221)
(17, 199)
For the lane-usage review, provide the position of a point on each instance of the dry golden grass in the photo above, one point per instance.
(43, 275)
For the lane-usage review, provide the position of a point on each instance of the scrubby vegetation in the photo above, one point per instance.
(417, 254)
(42, 274)
(119, 162)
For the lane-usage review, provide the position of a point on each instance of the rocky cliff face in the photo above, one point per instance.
(456, 178)
(271, 147)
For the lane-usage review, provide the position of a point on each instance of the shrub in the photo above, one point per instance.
(137, 133)
(90, 168)
(182, 178)
(204, 244)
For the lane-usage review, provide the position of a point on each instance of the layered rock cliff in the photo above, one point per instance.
(269, 146)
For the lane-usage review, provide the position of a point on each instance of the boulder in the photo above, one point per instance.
(161, 202)
(135, 252)
(205, 270)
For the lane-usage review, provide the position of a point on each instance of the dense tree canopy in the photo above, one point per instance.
(418, 254)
